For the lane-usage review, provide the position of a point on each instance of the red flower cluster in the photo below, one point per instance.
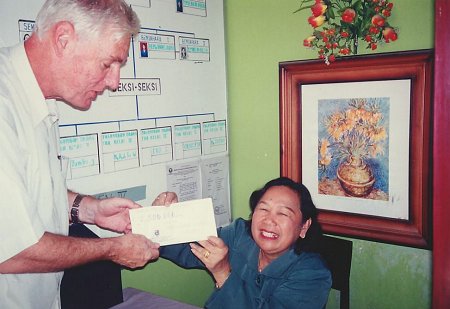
(340, 24)
(349, 15)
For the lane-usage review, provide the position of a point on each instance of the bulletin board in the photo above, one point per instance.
(165, 127)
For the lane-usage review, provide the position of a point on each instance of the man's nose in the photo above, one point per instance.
(112, 78)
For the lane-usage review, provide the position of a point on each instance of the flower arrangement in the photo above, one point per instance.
(355, 133)
(340, 24)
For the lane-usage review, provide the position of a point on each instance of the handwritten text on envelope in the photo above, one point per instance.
(178, 223)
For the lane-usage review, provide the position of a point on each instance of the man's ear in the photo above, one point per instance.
(63, 34)
(305, 228)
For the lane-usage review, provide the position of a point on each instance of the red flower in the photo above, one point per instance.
(389, 34)
(308, 41)
(374, 30)
(386, 13)
(316, 21)
(319, 8)
(378, 20)
(339, 23)
(349, 15)
(345, 51)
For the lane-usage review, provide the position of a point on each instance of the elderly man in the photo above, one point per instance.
(74, 54)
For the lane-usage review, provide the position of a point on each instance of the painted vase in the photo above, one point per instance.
(355, 177)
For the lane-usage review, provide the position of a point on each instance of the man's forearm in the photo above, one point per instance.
(55, 253)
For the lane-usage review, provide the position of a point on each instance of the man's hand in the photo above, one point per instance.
(112, 214)
(133, 250)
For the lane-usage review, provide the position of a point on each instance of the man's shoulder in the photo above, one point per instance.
(8, 75)
(5, 58)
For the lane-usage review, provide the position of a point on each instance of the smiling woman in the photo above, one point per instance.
(269, 261)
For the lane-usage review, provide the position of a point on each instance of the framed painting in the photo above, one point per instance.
(357, 133)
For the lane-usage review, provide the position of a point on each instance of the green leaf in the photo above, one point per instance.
(317, 33)
(301, 9)
(330, 13)
(304, 7)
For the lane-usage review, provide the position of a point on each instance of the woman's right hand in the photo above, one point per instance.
(214, 254)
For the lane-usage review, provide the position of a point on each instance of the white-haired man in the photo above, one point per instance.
(74, 54)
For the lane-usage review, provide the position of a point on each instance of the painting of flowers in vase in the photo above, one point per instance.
(353, 147)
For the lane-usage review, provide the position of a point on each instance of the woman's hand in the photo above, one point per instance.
(165, 199)
(214, 254)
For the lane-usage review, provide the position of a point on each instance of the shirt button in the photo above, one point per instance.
(258, 280)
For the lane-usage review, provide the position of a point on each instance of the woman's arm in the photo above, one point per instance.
(181, 255)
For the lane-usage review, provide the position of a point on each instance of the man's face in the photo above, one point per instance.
(93, 67)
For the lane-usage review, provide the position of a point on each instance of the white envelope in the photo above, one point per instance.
(178, 223)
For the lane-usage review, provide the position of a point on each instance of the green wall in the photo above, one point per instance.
(259, 35)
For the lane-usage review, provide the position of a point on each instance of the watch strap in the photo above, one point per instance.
(75, 210)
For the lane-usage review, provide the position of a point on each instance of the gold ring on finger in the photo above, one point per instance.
(206, 254)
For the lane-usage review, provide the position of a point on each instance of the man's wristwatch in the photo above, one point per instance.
(75, 210)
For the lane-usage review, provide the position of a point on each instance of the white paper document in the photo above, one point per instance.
(178, 223)
(184, 180)
(214, 172)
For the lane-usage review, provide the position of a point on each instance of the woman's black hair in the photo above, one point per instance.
(307, 208)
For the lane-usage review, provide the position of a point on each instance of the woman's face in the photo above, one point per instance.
(277, 221)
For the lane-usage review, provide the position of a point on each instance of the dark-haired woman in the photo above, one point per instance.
(268, 261)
